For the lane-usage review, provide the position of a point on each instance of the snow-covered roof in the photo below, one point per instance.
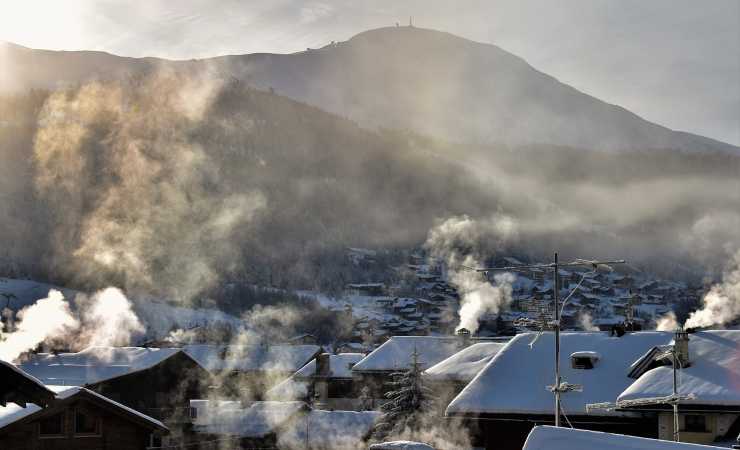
(340, 365)
(552, 438)
(395, 353)
(515, 381)
(259, 420)
(465, 364)
(282, 358)
(711, 379)
(13, 413)
(328, 430)
(18, 386)
(94, 364)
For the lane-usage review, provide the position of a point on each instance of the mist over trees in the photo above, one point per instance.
(203, 180)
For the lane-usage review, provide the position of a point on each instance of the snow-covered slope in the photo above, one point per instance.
(404, 78)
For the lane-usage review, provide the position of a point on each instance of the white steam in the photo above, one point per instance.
(667, 323)
(722, 302)
(109, 320)
(586, 322)
(459, 241)
(47, 319)
(104, 319)
(480, 297)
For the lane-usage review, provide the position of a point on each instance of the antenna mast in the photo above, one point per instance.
(559, 387)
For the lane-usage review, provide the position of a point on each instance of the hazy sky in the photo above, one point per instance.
(675, 62)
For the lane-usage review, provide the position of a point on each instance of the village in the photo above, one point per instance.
(493, 383)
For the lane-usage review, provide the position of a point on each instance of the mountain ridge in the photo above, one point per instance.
(434, 82)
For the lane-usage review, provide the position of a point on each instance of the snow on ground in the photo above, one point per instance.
(551, 438)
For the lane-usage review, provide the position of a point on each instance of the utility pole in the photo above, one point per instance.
(559, 387)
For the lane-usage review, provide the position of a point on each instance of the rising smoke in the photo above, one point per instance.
(721, 305)
(460, 242)
(105, 318)
(134, 198)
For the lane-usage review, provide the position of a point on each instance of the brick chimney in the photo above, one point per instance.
(681, 347)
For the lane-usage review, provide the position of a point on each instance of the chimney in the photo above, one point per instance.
(681, 347)
(321, 382)
(464, 335)
(323, 365)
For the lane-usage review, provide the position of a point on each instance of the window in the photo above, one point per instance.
(582, 363)
(584, 360)
(86, 424)
(695, 423)
(52, 426)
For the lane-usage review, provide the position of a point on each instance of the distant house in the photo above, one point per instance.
(326, 380)
(154, 381)
(510, 395)
(551, 438)
(711, 380)
(366, 289)
(77, 418)
(375, 369)
(248, 371)
(449, 376)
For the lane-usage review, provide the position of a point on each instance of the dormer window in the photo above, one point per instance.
(584, 360)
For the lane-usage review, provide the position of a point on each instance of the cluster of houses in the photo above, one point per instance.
(427, 303)
(299, 396)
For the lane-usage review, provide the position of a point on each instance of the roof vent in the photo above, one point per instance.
(584, 360)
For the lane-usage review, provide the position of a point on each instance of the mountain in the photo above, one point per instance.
(403, 78)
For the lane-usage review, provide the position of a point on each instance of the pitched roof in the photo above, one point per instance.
(340, 366)
(283, 358)
(12, 413)
(94, 364)
(552, 438)
(465, 364)
(515, 381)
(19, 387)
(711, 379)
(395, 353)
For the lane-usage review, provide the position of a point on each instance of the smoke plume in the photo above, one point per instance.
(134, 197)
(721, 304)
(668, 322)
(104, 319)
(586, 322)
(48, 319)
(459, 241)
(108, 319)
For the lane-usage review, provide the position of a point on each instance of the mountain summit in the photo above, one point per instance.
(410, 78)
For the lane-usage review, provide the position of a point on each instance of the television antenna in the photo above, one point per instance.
(560, 386)
(674, 399)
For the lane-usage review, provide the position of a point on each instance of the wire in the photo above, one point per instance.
(562, 411)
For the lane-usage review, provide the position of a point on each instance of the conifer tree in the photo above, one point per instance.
(407, 401)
